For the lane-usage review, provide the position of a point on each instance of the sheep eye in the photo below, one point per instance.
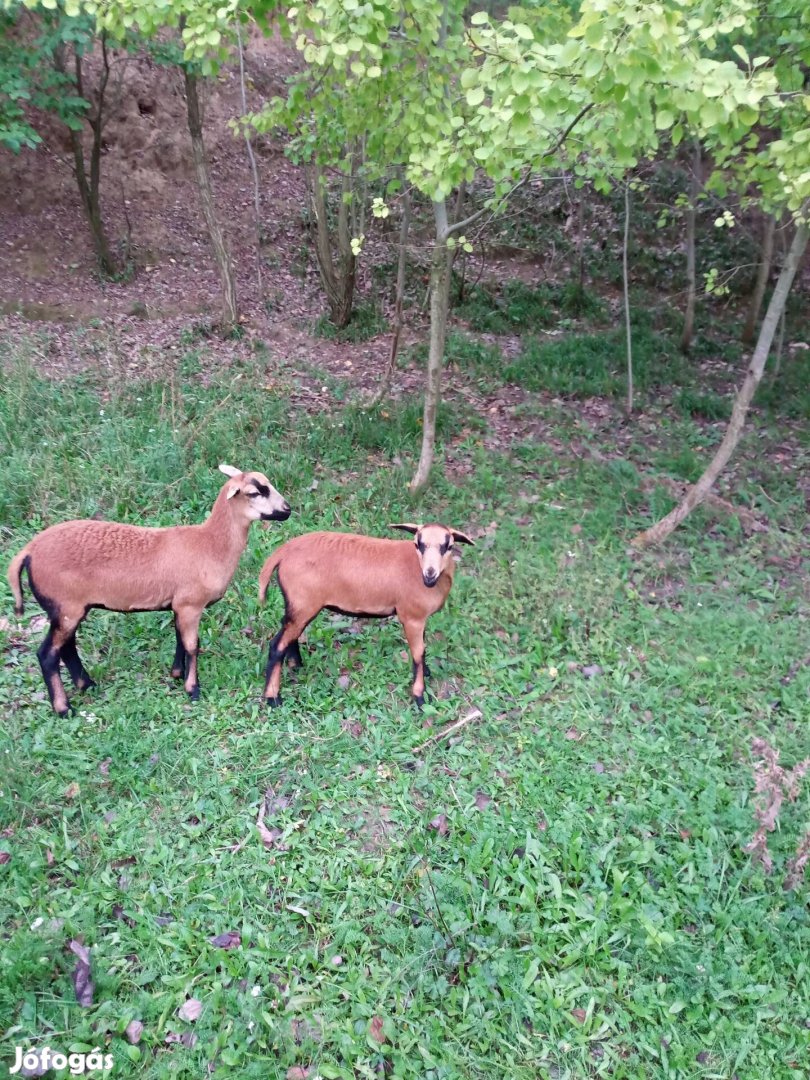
(252, 494)
(421, 546)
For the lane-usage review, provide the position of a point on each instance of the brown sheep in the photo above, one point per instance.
(363, 576)
(79, 565)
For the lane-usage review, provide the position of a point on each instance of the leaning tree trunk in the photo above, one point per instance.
(661, 530)
(691, 267)
(230, 310)
(439, 304)
(763, 273)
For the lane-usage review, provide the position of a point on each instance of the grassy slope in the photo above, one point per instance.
(589, 910)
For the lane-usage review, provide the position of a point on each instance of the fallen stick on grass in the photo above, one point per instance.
(473, 714)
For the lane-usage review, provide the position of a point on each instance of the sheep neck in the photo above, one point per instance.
(226, 530)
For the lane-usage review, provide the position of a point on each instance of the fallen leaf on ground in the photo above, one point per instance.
(4, 857)
(574, 734)
(190, 1010)
(298, 1072)
(134, 1031)
(375, 1030)
(269, 836)
(439, 823)
(230, 940)
(598, 767)
(482, 800)
(72, 790)
(590, 671)
(104, 766)
(185, 1038)
(579, 1015)
(82, 983)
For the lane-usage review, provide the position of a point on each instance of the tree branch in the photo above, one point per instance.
(521, 183)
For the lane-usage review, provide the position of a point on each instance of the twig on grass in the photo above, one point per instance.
(473, 714)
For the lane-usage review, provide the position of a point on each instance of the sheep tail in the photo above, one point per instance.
(15, 570)
(267, 572)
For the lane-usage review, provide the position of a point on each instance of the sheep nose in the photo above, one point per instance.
(286, 508)
(430, 577)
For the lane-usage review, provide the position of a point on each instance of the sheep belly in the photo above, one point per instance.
(364, 591)
(119, 594)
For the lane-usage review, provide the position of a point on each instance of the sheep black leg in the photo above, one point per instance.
(48, 656)
(187, 624)
(293, 655)
(179, 662)
(415, 633)
(272, 673)
(73, 662)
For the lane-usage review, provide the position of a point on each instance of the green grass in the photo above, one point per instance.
(519, 308)
(366, 322)
(595, 363)
(588, 911)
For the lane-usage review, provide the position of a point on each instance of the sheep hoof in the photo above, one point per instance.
(62, 713)
(177, 673)
(273, 702)
(419, 700)
(194, 695)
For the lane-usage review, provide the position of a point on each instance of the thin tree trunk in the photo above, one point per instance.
(230, 310)
(661, 530)
(338, 282)
(439, 303)
(581, 243)
(691, 268)
(382, 390)
(763, 273)
(253, 166)
(89, 189)
(348, 260)
(458, 252)
(626, 283)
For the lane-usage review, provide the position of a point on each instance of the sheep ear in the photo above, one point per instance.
(229, 470)
(234, 489)
(462, 538)
(406, 526)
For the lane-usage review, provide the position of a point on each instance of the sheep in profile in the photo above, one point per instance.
(78, 565)
(364, 576)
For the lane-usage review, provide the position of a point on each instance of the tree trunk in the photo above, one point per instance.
(581, 243)
(661, 530)
(89, 189)
(691, 274)
(338, 282)
(626, 284)
(254, 169)
(763, 273)
(382, 390)
(439, 303)
(230, 310)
